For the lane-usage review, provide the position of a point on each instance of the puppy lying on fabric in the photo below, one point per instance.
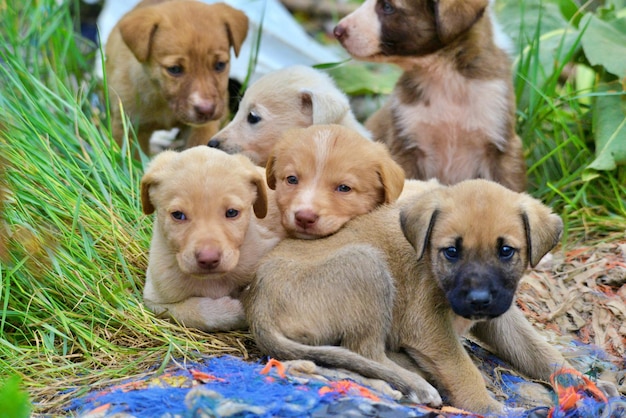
(411, 279)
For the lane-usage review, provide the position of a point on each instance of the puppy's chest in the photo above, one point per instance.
(460, 114)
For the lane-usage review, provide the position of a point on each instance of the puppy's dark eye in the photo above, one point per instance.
(253, 118)
(387, 8)
(179, 216)
(292, 179)
(220, 66)
(175, 70)
(232, 213)
(343, 188)
(451, 253)
(506, 252)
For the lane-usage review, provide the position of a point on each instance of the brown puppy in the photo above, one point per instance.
(412, 278)
(213, 223)
(451, 115)
(167, 62)
(293, 97)
(325, 175)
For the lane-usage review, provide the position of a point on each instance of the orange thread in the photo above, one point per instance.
(280, 367)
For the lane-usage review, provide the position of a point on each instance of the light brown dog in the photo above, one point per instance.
(167, 62)
(412, 278)
(214, 221)
(293, 97)
(325, 175)
(451, 115)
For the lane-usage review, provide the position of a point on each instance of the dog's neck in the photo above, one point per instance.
(472, 55)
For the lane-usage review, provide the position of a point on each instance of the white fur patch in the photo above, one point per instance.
(363, 31)
(463, 105)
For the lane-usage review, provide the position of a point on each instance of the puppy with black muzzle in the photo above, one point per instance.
(451, 115)
(412, 279)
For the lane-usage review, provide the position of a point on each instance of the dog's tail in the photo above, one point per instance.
(277, 345)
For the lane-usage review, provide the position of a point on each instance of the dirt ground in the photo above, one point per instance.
(580, 294)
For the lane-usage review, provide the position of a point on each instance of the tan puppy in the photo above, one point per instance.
(213, 222)
(451, 115)
(325, 175)
(168, 64)
(412, 280)
(293, 97)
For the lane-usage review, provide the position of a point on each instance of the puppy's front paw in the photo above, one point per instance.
(426, 394)
(223, 314)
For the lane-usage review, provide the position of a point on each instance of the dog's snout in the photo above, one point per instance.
(306, 218)
(214, 143)
(479, 299)
(339, 31)
(208, 258)
(204, 108)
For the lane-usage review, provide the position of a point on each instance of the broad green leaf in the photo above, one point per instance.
(604, 44)
(13, 400)
(357, 78)
(609, 123)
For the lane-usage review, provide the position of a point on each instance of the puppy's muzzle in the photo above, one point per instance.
(204, 111)
(208, 259)
(480, 293)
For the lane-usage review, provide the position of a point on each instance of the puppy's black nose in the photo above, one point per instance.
(214, 143)
(479, 299)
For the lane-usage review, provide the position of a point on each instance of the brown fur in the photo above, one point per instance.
(167, 62)
(292, 97)
(325, 175)
(383, 282)
(214, 221)
(451, 115)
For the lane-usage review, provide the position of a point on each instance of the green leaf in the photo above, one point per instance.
(357, 78)
(14, 401)
(604, 44)
(609, 124)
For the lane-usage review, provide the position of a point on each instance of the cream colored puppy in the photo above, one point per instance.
(294, 97)
(325, 175)
(214, 221)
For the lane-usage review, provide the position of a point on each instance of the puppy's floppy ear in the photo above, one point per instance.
(270, 169)
(152, 177)
(324, 109)
(417, 220)
(453, 17)
(391, 174)
(279, 148)
(258, 180)
(236, 23)
(137, 29)
(543, 228)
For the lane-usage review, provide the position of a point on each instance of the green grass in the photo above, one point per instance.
(74, 242)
